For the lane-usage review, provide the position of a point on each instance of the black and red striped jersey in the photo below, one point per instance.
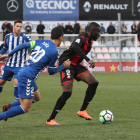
(78, 50)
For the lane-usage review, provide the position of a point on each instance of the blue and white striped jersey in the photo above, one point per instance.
(11, 42)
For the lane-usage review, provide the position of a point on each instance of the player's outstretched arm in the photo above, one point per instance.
(53, 70)
(66, 64)
(20, 47)
(4, 57)
(3, 51)
(5, 47)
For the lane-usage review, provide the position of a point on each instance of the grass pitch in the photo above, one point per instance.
(117, 92)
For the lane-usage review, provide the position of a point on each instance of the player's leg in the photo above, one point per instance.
(91, 90)
(26, 104)
(17, 110)
(67, 85)
(6, 74)
(36, 93)
(26, 95)
(92, 82)
(17, 102)
(36, 96)
(15, 71)
(67, 90)
(2, 82)
(16, 89)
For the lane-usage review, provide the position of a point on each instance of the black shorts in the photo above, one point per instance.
(68, 75)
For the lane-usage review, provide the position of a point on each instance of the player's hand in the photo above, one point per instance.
(25, 61)
(67, 63)
(4, 57)
(92, 64)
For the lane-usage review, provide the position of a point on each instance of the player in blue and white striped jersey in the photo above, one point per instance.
(17, 60)
(11, 42)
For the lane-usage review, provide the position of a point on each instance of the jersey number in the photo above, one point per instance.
(38, 54)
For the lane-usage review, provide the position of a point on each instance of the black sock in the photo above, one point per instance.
(59, 104)
(33, 101)
(91, 90)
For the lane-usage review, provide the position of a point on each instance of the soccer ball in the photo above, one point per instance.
(106, 116)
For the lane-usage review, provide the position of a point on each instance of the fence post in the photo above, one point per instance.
(119, 27)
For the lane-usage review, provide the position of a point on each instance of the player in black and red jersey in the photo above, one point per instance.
(76, 53)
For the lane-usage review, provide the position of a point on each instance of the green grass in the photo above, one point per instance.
(117, 92)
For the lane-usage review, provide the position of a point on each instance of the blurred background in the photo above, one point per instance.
(120, 34)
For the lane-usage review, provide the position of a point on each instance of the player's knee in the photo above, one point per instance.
(2, 82)
(92, 87)
(26, 104)
(65, 96)
(38, 98)
(27, 108)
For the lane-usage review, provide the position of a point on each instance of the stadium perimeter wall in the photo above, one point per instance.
(103, 67)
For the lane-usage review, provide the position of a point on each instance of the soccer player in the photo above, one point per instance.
(44, 55)
(16, 61)
(76, 53)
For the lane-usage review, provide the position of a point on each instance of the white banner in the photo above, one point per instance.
(51, 24)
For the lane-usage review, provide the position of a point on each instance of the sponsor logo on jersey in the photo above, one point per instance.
(77, 40)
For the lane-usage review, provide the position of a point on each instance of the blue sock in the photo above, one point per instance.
(16, 103)
(16, 92)
(1, 87)
(14, 111)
